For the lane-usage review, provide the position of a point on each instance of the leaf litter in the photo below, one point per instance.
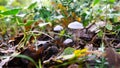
(68, 44)
(52, 53)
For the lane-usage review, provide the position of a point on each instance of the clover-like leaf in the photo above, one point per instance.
(68, 51)
(109, 26)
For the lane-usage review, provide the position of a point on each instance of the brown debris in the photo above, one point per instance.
(113, 57)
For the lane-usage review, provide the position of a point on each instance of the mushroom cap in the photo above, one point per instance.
(67, 41)
(58, 28)
(75, 25)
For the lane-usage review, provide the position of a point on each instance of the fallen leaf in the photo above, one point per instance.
(4, 61)
(113, 57)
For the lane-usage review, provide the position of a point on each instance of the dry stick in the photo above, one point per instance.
(103, 37)
(93, 39)
(35, 32)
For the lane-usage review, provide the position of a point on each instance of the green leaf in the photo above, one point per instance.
(2, 8)
(62, 33)
(44, 13)
(29, 22)
(100, 34)
(117, 28)
(111, 1)
(40, 65)
(11, 12)
(28, 58)
(68, 51)
(109, 26)
(32, 5)
(86, 22)
(19, 22)
(115, 19)
(95, 2)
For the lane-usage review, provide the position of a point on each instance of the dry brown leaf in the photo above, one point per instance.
(113, 57)
(4, 61)
(118, 46)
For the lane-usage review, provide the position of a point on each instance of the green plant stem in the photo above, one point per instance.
(74, 60)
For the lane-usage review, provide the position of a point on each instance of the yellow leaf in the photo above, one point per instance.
(59, 61)
(59, 6)
(2, 8)
(78, 19)
(83, 51)
(80, 53)
(53, 3)
(77, 53)
(73, 14)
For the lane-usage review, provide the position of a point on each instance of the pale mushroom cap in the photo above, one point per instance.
(75, 25)
(67, 41)
(58, 28)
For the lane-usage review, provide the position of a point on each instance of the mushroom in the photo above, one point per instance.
(75, 26)
(68, 41)
(58, 28)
